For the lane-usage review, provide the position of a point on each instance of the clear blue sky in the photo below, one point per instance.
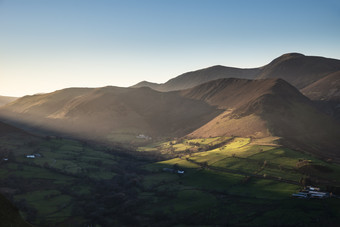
(52, 44)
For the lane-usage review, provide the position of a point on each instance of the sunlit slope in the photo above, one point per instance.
(246, 157)
(224, 107)
(242, 179)
(111, 112)
(6, 99)
(270, 107)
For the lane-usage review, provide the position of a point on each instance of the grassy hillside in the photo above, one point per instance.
(224, 107)
(238, 183)
(110, 113)
(50, 189)
(74, 183)
(264, 108)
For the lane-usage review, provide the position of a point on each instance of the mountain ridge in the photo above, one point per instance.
(223, 107)
(269, 107)
(297, 69)
(6, 99)
(103, 111)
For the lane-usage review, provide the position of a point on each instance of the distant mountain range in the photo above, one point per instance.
(315, 77)
(192, 79)
(297, 69)
(216, 101)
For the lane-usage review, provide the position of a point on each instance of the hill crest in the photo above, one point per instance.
(295, 68)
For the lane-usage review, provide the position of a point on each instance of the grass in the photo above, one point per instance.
(179, 146)
(45, 178)
(181, 162)
(239, 154)
(236, 198)
(192, 199)
(214, 191)
(48, 202)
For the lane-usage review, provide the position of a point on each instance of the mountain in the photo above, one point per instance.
(6, 99)
(223, 107)
(191, 79)
(144, 83)
(327, 88)
(326, 94)
(297, 69)
(6, 129)
(118, 114)
(269, 107)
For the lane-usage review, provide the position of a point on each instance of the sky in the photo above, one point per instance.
(46, 45)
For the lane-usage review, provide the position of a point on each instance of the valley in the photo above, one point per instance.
(225, 178)
(169, 113)
(214, 147)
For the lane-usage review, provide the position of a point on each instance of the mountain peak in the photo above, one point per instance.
(298, 69)
(293, 54)
(145, 83)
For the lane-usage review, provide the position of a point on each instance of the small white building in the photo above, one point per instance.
(142, 136)
(30, 156)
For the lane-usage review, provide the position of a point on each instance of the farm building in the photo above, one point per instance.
(311, 192)
(173, 171)
(142, 136)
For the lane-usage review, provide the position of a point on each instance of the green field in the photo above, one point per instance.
(226, 181)
(46, 188)
(240, 183)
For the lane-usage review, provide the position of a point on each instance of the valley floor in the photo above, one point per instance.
(208, 181)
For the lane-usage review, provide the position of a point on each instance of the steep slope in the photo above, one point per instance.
(326, 94)
(300, 70)
(6, 99)
(327, 88)
(6, 129)
(194, 78)
(269, 107)
(9, 215)
(110, 112)
(11, 139)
